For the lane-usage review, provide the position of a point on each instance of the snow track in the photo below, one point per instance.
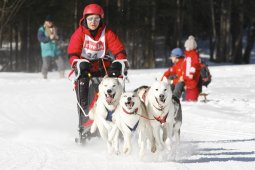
(38, 123)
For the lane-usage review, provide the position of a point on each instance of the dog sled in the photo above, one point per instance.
(84, 124)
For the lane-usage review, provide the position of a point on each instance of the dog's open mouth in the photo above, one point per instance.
(129, 104)
(109, 97)
(162, 100)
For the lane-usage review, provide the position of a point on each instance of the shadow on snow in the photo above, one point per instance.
(219, 154)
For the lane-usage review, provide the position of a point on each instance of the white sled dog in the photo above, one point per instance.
(129, 117)
(165, 111)
(110, 90)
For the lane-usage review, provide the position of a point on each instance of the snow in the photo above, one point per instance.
(38, 124)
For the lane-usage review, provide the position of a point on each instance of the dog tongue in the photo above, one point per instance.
(130, 104)
(109, 99)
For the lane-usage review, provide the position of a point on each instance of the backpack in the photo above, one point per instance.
(205, 74)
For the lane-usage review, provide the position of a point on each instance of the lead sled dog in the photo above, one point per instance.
(110, 90)
(164, 113)
(130, 117)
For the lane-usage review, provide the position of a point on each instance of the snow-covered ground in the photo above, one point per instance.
(38, 123)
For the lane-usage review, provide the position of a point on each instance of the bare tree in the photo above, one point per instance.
(250, 42)
(8, 11)
(237, 32)
(179, 23)
(213, 37)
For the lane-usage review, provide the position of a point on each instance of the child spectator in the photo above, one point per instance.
(191, 70)
(175, 72)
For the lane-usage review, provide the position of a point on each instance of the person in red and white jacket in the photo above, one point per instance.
(176, 72)
(191, 70)
(91, 41)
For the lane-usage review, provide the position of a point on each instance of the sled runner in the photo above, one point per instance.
(205, 97)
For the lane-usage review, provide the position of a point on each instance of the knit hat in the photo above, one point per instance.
(190, 43)
(48, 18)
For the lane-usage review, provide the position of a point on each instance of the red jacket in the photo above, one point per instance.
(176, 70)
(112, 42)
(191, 67)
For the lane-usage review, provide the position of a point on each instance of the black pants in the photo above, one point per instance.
(86, 90)
(178, 89)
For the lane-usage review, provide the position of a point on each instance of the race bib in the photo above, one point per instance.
(94, 50)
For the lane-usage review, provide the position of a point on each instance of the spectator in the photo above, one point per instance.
(175, 72)
(48, 37)
(191, 70)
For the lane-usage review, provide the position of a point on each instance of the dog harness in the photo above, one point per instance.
(134, 128)
(109, 115)
(130, 113)
(161, 120)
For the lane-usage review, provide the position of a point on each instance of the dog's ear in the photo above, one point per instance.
(135, 94)
(165, 80)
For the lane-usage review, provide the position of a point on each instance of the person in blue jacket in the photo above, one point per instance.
(48, 37)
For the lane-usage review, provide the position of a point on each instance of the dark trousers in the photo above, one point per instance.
(178, 89)
(86, 90)
(47, 62)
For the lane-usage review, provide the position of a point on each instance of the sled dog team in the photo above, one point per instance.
(150, 111)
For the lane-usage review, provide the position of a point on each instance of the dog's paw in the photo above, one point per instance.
(117, 152)
(126, 151)
(153, 148)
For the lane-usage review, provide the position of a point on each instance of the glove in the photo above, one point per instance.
(83, 68)
(115, 69)
(118, 68)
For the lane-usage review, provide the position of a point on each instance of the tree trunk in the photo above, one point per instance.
(179, 23)
(223, 40)
(11, 49)
(152, 37)
(2, 23)
(16, 37)
(75, 14)
(1, 37)
(238, 22)
(23, 45)
(213, 37)
(250, 43)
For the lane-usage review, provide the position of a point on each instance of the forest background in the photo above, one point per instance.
(224, 29)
